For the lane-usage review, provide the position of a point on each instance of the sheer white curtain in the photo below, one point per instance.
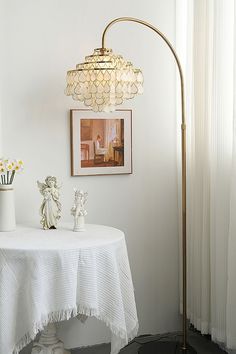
(206, 38)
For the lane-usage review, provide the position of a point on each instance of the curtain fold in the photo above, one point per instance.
(231, 285)
(206, 47)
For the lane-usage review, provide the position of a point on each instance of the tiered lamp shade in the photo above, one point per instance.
(104, 80)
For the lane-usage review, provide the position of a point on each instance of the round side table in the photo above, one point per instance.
(48, 276)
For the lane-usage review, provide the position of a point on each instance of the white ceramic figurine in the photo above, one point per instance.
(78, 209)
(50, 209)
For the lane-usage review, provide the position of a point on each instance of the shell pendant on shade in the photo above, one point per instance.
(104, 81)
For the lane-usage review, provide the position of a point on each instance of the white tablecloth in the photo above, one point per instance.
(49, 276)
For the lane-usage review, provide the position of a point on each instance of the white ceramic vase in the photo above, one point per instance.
(7, 208)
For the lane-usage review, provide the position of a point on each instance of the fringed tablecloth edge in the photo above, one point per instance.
(66, 314)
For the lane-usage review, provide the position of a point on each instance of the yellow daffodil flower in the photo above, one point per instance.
(8, 169)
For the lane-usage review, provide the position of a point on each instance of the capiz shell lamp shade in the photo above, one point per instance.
(104, 81)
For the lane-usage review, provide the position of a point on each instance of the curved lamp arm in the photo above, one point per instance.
(183, 148)
(131, 19)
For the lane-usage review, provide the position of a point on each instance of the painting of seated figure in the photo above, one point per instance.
(101, 142)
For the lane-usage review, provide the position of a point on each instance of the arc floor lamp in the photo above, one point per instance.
(105, 80)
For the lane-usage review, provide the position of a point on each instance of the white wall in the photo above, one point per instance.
(42, 40)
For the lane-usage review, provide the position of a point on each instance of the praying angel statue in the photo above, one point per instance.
(50, 209)
(78, 209)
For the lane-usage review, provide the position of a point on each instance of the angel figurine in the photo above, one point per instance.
(50, 209)
(78, 209)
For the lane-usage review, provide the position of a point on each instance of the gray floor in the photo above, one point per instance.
(202, 345)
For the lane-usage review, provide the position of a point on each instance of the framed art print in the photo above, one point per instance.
(101, 143)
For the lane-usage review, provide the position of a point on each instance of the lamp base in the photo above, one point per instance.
(161, 347)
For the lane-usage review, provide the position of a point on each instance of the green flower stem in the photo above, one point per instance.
(12, 176)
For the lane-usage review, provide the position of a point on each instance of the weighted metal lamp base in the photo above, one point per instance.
(161, 347)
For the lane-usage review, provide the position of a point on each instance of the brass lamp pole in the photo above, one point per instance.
(96, 83)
